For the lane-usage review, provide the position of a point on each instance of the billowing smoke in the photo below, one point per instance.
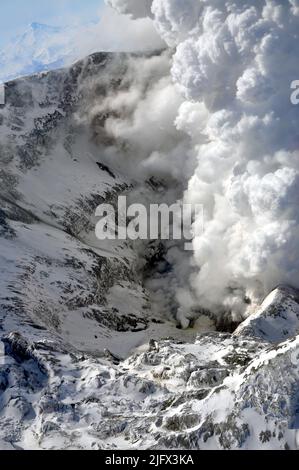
(136, 120)
(233, 63)
(135, 8)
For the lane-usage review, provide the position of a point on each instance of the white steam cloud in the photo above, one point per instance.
(135, 8)
(233, 63)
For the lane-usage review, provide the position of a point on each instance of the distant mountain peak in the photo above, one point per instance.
(39, 48)
(44, 27)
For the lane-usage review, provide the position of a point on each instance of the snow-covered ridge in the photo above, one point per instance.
(221, 392)
(277, 318)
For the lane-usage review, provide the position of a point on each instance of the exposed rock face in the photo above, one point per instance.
(73, 309)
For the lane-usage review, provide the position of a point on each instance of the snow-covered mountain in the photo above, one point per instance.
(39, 48)
(42, 47)
(88, 361)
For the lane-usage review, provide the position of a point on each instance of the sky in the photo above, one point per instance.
(17, 14)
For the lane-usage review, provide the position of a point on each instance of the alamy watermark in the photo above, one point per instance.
(154, 222)
(295, 94)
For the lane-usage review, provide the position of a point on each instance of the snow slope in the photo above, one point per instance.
(55, 273)
(277, 318)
